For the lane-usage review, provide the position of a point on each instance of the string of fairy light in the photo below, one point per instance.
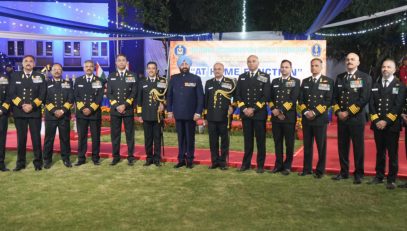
(129, 27)
(401, 21)
(244, 16)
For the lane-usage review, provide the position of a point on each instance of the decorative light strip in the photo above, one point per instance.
(343, 34)
(244, 16)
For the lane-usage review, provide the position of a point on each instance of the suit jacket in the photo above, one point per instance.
(59, 97)
(284, 96)
(122, 90)
(147, 103)
(185, 96)
(352, 96)
(25, 90)
(217, 104)
(253, 92)
(4, 95)
(387, 104)
(88, 95)
(316, 97)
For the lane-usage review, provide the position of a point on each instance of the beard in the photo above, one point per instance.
(184, 70)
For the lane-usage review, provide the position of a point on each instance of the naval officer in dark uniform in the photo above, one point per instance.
(88, 93)
(121, 92)
(58, 106)
(385, 106)
(27, 93)
(252, 95)
(217, 111)
(284, 94)
(185, 101)
(351, 95)
(150, 106)
(4, 114)
(315, 100)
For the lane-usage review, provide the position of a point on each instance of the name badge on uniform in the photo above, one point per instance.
(18, 82)
(306, 87)
(50, 86)
(130, 80)
(275, 86)
(290, 83)
(395, 90)
(145, 86)
(262, 79)
(37, 79)
(112, 78)
(66, 85)
(375, 89)
(161, 85)
(190, 84)
(226, 85)
(96, 84)
(3, 81)
(324, 87)
(356, 83)
(80, 85)
(243, 79)
(210, 88)
(339, 85)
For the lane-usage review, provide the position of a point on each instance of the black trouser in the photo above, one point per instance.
(83, 125)
(115, 134)
(64, 129)
(346, 133)
(22, 125)
(387, 140)
(3, 136)
(253, 128)
(186, 139)
(216, 130)
(317, 132)
(281, 132)
(152, 136)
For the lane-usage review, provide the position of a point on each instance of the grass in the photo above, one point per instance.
(150, 198)
(202, 141)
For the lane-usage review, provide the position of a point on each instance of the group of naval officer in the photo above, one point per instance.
(183, 97)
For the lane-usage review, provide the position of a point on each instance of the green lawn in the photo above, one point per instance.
(150, 198)
(202, 141)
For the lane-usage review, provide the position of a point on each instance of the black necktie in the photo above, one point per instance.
(28, 76)
(314, 80)
(385, 83)
(88, 80)
(121, 75)
(251, 74)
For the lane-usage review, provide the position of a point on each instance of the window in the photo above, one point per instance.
(44, 50)
(100, 49)
(68, 51)
(15, 48)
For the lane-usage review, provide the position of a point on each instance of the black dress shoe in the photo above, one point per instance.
(286, 172)
(357, 180)
(148, 163)
(275, 170)
(375, 181)
(260, 170)
(304, 173)
(131, 162)
(157, 163)
(18, 168)
(4, 169)
(190, 165)
(179, 165)
(38, 168)
(223, 168)
(318, 175)
(47, 165)
(243, 169)
(96, 162)
(67, 163)
(339, 177)
(213, 166)
(114, 162)
(391, 185)
(79, 163)
(403, 185)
